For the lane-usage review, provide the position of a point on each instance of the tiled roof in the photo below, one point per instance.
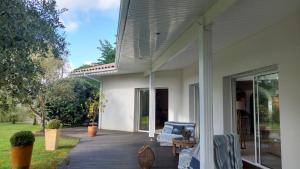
(95, 70)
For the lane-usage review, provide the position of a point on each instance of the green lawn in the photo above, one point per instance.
(41, 159)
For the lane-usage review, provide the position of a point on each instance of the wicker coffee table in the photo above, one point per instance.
(181, 143)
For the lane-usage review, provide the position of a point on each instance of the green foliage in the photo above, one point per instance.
(28, 28)
(10, 111)
(13, 118)
(96, 103)
(22, 139)
(83, 66)
(36, 100)
(66, 100)
(53, 124)
(108, 52)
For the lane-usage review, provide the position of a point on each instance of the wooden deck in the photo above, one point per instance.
(115, 150)
(249, 166)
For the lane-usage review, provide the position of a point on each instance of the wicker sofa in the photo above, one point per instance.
(173, 130)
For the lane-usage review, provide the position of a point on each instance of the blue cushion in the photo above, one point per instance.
(177, 129)
(168, 129)
(195, 163)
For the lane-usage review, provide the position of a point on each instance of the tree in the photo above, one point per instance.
(67, 100)
(83, 66)
(28, 27)
(36, 100)
(108, 52)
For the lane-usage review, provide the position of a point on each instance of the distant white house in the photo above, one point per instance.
(228, 66)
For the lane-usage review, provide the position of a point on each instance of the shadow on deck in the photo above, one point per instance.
(115, 150)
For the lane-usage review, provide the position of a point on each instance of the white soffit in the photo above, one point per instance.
(151, 26)
(171, 18)
(185, 58)
(244, 18)
(247, 17)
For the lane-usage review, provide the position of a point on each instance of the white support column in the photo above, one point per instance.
(100, 114)
(151, 104)
(206, 101)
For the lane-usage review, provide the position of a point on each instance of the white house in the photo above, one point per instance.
(227, 65)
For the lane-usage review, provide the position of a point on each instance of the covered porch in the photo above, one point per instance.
(176, 44)
(114, 150)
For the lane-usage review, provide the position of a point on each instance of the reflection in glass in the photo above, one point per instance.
(144, 109)
(268, 126)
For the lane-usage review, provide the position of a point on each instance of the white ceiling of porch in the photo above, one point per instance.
(152, 25)
(171, 17)
(247, 17)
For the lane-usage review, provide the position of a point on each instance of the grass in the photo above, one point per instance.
(41, 159)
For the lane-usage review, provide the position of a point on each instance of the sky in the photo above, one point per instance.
(86, 22)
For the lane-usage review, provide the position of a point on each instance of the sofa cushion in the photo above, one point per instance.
(195, 163)
(168, 129)
(185, 158)
(177, 129)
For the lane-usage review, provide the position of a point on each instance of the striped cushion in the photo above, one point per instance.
(234, 151)
(221, 152)
(187, 125)
(227, 152)
(185, 158)
(168, 129)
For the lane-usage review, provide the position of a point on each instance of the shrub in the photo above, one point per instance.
(66, 100)
(53, 124)
(22, 139)
(13, 118)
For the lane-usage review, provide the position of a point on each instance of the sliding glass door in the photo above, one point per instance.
(268, 120)
(258, 118)
(143, 109)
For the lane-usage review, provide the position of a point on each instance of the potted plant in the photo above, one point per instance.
(52, 134)
(22, 144)
(96, 105)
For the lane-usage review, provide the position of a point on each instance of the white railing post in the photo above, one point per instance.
(206, 100)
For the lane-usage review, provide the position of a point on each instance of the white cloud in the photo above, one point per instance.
(88, 62)
(108, 4)
(71, 26)
(78, 10)
(86, 5)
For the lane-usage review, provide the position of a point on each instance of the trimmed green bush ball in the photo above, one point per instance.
(22, 139)
(53, 124)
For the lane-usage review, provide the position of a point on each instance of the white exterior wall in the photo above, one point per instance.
(189, 77)
(120, 92)
(279, 44)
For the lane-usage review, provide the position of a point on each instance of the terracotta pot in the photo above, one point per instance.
(92, 131)
(51, 139)
(21, 157)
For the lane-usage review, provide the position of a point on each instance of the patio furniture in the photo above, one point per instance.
(227, 154)
(182, 143)
(189, 158)
(173, 130)
(146, 157)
